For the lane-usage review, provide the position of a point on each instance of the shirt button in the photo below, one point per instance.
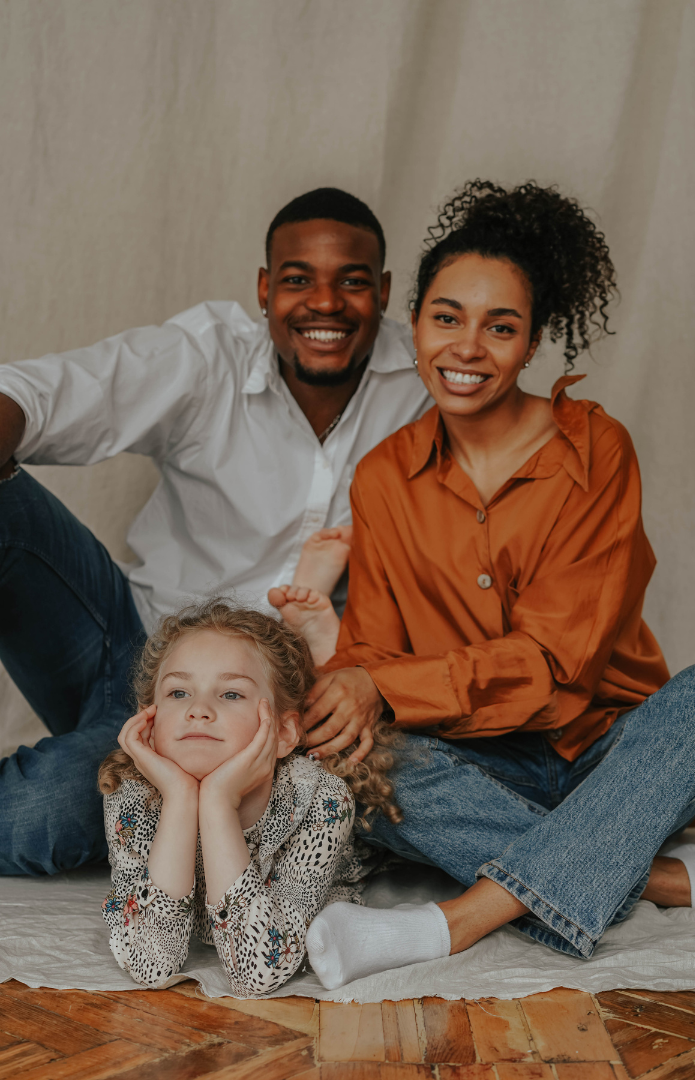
(556, 734)
(485, 581)
(480, 516)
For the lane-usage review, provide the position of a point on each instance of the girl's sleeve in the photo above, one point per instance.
(149, 931)
(259, 926)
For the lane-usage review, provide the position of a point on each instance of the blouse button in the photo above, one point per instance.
(485, 581)
(480, 516)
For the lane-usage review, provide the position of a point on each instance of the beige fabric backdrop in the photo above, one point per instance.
(145, 144)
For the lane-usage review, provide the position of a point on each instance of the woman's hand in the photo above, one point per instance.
(346, 704)
(166, 775)
(249, 769)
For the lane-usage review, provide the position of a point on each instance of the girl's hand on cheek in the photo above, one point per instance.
(251, 767)
(135, 738)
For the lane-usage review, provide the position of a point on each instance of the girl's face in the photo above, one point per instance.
(207, 697)
(473, 333)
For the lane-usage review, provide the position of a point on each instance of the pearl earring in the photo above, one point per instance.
(527, 364)
(264, 311)
(415, 362)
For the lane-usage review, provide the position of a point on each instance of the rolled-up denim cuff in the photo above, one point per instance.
(558, 932)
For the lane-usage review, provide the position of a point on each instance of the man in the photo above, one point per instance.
(256, 429)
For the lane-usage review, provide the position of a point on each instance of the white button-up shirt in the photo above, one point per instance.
(245, 480)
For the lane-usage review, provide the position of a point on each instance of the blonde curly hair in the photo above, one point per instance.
(287, 662)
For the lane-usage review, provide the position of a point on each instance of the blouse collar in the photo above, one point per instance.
(572, 451)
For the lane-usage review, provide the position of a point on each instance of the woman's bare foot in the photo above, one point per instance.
(323, 559)
(311, 614)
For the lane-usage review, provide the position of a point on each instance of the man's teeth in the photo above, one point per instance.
(464, 377)
(324, 335)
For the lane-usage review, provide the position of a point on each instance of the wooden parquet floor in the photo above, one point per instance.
(178, 1035)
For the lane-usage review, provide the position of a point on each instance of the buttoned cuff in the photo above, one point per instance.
(231, 910)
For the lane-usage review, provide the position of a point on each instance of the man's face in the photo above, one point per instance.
(324, 292)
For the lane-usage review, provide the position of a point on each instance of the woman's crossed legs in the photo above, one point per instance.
(565, 849)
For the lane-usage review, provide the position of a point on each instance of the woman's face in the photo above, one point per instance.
(207, 697)
(473, 333)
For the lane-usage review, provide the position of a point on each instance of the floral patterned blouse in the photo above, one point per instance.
(302, 857)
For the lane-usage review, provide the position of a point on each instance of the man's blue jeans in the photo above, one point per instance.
(69, 631)
(574, 842)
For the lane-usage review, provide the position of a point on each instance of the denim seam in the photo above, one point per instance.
(39, 555)
(580, 933)
(510, 791)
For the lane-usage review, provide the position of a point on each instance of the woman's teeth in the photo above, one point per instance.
(324, 335)
(463, 377)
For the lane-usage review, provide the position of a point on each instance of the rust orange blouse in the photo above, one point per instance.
(522, 615)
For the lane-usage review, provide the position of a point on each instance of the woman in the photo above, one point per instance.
(496, 586)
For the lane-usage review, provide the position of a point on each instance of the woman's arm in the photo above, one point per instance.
(259, 926)
(564, 626)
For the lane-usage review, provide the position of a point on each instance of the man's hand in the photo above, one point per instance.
(247, 770)
(168, 778)
(345, 704)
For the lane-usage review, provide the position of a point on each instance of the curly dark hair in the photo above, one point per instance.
(548, 236)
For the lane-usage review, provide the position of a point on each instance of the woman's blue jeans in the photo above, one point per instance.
(68, 635)
(574, 842)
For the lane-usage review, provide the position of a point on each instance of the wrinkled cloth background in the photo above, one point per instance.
(52, 934)
(146, 144)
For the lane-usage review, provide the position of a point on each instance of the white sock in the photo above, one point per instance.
(686, 854)
(347, 942)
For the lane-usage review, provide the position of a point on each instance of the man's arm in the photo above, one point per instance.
(12, 424)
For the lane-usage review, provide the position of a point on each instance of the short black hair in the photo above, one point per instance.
(332, 204)
(548, 236)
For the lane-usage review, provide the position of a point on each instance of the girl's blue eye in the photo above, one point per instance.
(232, 695)
(178, 694)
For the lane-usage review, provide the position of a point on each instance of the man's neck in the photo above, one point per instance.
(321, 404)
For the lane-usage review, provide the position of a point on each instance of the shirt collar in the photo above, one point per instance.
(571, 417)
(392, 352)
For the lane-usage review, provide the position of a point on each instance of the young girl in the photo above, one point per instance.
(215, 827)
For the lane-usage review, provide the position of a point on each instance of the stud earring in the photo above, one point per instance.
(527, 364)
(415, 362)
(264, 311)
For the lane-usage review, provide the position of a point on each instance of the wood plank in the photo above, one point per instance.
(585, 1070)
(350, 1032)
(28, 1021)
(499, 1031)
(278, 1063)
(401, 1041)
(620, 1072)
(651, 1014)
(376, 1070)
(528, 1070)
(205, 1015)
(622, 1033)
(114, 1016)
(6, 1039)
(651, 1049)
(565, 1026)
(466, 1072)
(680, 1068)
(98, 1063)
(201, 1061)
(23, 1055)
(296, 1013)
(448, 1032)
(677, 999)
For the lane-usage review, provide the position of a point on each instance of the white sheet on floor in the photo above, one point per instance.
(52, 934)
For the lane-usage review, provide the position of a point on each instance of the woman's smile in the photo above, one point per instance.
(462, 382)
